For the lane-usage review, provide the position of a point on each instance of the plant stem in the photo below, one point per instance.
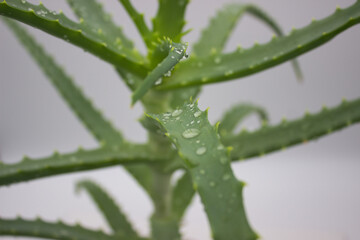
(163, 225)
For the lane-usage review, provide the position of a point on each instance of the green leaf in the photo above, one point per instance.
(176, 51)
(83, 108)
(241, 63)
(92, 14)
(237, 114)
(208, 162)
(41, 229)
(169, 20)
(215, 36)
(288, 133)
(111, 211)
(92, 118)
(30, 169)
(182, 194)
(79, 34)
(139, 21)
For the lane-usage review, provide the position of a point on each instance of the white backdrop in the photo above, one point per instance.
(310, 191)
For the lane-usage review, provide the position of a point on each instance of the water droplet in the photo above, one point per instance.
(158, 82)
(176, 113)
(168, 74)
(197, 114)
(201, 150)
(223, 160)
(191, 133)
(226, 177)
(217, 60)
(197, 141)
(228, 73)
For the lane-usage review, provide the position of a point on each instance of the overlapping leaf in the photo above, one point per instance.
(243, 62)
(208, 162)
(288, 133)
(79, 34)
(30, 169)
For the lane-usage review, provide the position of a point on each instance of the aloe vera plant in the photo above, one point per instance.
(167, 80)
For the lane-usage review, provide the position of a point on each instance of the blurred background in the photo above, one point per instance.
(309, 191)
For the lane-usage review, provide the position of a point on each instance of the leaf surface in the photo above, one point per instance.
(41, 229)
(79, 34)
(288, 133)
(244, 62)
(81, 160)
(208, 162)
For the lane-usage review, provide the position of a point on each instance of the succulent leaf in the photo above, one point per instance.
(182, 194)
(241, 63)
(139, 21)
(79, 34)
(83, 108)
(92, 14)
(208, 162)
(81, 160)
(215, 36)
(41, 229)
(237, 114)
(92, 118)
(111, 211)
(176, 52)
(169, 20)
(288, 133)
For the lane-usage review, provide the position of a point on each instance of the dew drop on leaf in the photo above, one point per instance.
(191, 133)
(197, 114)
(201, 150)
(176, 113)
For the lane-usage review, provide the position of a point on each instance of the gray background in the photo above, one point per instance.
(310, 191)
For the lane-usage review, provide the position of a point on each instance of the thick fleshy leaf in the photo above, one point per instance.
(79, 34)
(139, 21)
(235, 115)
(41, 229)
(208, 162)
(215, 36)
(30, 169)
(176, 52)
(288, 133)
(244, 62)
(77, 101)
(169, 20)
(92, 14)
(111, 211)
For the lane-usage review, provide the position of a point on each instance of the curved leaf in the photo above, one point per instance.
(42, 229)
(169, 20)
(79, 34)
(92, 14)
(111, 211)
(83, 108)
(288, 133)
(176, 52)
(30, 169)
(241, 63)
(215, 36)
(237, 114)
(139, 21)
